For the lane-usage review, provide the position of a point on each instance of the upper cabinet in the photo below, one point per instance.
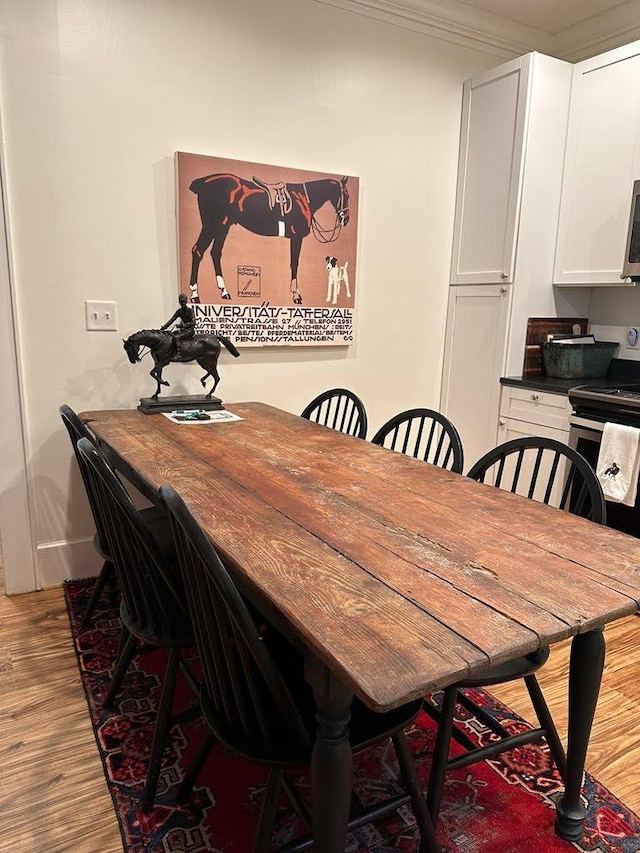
(489, 172)
(601, 163)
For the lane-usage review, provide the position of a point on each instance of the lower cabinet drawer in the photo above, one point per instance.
(536, 407)
(509, 429)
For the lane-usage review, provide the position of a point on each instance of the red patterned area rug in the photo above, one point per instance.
(502, 806)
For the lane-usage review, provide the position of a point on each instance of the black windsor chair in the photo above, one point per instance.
(254, 696)
(153, 609)
(549, 471)
(424, 434)
(338, 409)
(154, 517)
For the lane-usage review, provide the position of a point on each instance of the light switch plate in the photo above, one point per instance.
(101, 316)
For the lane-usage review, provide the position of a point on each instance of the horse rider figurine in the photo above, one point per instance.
(186, 328)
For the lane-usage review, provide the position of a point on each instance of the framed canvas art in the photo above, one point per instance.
(267, 254)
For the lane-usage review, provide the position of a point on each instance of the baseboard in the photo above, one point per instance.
(58, 561)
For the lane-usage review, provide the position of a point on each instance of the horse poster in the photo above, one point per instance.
(267, 254)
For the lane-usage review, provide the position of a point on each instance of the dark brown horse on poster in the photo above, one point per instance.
(273, 210)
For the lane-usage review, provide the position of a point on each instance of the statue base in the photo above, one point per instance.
(187, 401)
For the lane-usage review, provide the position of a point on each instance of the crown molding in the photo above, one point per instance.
(465, 25)
(595, 35)
(454, 22)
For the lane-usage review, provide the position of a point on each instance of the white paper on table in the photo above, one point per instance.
(219, 417)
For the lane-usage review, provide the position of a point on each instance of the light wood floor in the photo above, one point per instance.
(53, 797)
(614, 749)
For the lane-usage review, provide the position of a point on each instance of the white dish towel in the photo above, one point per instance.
(618, 463)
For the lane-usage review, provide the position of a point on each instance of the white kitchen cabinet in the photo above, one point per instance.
(486, 331)
(508, 429)
(601, 163)
(489, 172)
(477, 324)
(525, 412)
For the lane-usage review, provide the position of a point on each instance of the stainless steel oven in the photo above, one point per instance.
(584, 431)
(593, 406)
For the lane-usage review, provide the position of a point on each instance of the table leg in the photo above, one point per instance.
(585, 675)
(331, 760)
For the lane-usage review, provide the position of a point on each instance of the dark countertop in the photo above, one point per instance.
(621, 371)
(540, 382)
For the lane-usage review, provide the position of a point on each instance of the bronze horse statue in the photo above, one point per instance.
(204, 349)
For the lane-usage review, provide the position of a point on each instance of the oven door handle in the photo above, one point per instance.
(584, 423)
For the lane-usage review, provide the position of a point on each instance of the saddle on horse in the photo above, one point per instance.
(278, 195)
(175, 341)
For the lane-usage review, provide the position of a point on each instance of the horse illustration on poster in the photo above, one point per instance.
(245, 283)
(272, 210)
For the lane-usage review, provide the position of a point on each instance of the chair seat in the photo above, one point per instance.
(366, 727)
(156, 520)
(175, 631)
(100, 549)
(509, 671)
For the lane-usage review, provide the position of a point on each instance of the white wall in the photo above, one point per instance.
(97, 96)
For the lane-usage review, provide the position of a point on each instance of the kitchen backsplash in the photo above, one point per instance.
(619, 334)
(612, 311)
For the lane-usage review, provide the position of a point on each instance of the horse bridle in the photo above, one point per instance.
(333, 233)
(342, 209)
(139, 348)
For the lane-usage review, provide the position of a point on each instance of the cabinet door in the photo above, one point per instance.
(509, 429)
(602, 160)
(474, 360)
(489, 174)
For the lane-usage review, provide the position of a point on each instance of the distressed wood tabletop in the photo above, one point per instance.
(400, 576)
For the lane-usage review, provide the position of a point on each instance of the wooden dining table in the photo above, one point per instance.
(396, 577)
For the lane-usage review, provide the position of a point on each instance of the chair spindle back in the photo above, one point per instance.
(151, 586)
(338, 409)
(245, 699)
(424, 434)
(78, 430)
(544, 470)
